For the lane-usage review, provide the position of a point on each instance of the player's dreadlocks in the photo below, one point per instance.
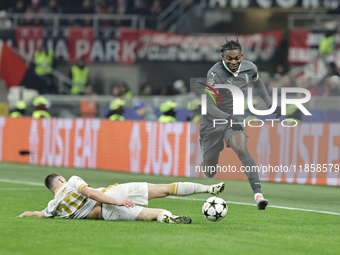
(231, 45)
(49, 180)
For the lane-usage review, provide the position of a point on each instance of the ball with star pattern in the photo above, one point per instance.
(215, 209)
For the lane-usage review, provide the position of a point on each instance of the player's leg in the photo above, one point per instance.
(209, 166)
(238, 142)
(211, 142)
(149, 214)
(158, 190)
(163, 216)
(182, 189)
(211, 147)
(117, 213)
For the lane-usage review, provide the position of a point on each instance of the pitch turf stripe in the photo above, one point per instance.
(21, 182)
(272, 206)
(19, 189)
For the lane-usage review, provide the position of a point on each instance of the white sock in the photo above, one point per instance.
(160, 216)
(258, 194)
(187, 188)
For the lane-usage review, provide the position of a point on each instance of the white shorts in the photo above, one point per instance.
(136, 191)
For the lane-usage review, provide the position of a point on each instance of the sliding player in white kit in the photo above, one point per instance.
(75, 199)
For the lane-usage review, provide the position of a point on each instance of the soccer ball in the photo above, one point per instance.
(215, 209)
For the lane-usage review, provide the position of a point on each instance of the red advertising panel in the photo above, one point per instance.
(128, 46)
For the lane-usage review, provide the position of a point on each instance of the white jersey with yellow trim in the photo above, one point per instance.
(69, 202)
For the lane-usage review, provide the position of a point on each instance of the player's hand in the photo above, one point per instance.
(235, 127)
(277, 111)
(125, 202)
(21, 215)
(25, 214)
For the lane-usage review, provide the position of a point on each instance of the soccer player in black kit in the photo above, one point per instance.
(232, 69)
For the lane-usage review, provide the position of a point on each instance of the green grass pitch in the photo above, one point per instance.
(245, 230)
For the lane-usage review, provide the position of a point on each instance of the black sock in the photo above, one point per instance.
(250, 170)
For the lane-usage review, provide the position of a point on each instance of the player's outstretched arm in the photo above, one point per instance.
(102, 198)
(263, 93)
(34, 214)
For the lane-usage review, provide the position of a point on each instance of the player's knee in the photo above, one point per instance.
(209, 168)
(210, 174)
(148, 214)
(163, 190)
(241, 152)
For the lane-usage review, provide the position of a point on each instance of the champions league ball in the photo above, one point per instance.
(215, 209)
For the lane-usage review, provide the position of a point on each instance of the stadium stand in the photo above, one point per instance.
(110, 34)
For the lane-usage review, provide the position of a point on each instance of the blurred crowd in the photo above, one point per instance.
(114, 112)
(40, 108)
(30, 7)
(147, 89)
(324, 87)
(80, 79)
(81, 84)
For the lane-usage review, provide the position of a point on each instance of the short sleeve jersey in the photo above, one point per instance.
(220, 74)
(69, 202)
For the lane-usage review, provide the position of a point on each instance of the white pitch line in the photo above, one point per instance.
(272, 206)
(198, 199)
(20, 182)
